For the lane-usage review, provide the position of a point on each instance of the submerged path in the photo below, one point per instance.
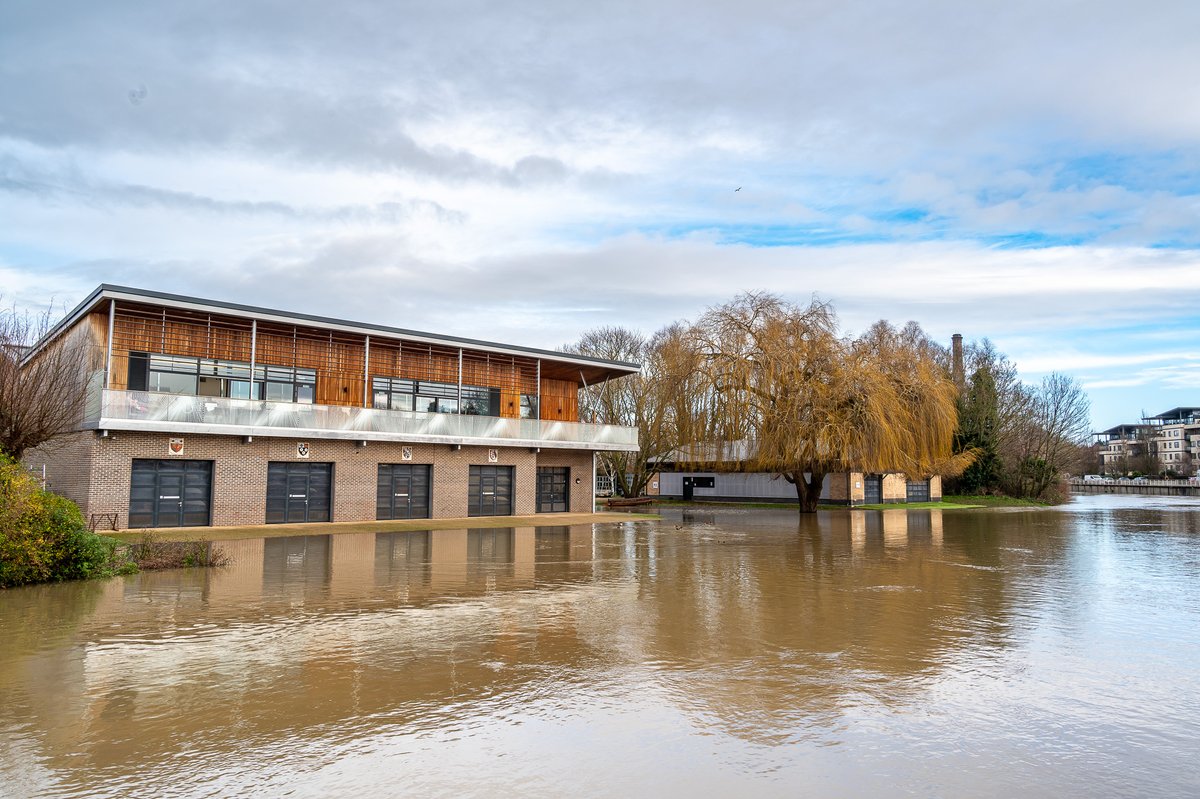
(393, 526)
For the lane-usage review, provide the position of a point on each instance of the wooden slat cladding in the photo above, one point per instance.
(139, 328)
(560, 400)
(391, 358)
(338, 358)
(513, 376)
(90, 336)
(97, 338)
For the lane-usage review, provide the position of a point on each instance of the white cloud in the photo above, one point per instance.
(1015, 170)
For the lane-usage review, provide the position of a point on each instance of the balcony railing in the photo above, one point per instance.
(140, 410)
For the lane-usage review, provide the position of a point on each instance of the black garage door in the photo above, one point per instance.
(917, 491)
(402, 491)
(552, 484)
(873, 489)
(171, 493)
(299, 492)
(490, 491)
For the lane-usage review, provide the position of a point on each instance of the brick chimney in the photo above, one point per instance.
(956, 353)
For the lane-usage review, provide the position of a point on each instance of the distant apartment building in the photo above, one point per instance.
(1175, 439)
(1167, 442)
(1123, 448)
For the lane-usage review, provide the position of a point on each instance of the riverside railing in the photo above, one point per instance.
(149, 411)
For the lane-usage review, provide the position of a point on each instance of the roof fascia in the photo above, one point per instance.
(110, 292)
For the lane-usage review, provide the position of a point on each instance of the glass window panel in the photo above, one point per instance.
(173, 363)
(172, 383)
(477, 393)
(306, 375)
(280, 374)
(528, 406)
(381, 399)
(431, 389)
(427, 404)
(448, 406)
(402, 402)
(304, 393)
(279, 392)
(234, 369)
(239, 389)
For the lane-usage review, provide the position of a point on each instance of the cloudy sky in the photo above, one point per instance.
(1023, 171)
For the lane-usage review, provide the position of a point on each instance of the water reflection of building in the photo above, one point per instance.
(754, 625)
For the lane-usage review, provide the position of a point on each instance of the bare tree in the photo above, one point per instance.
(43, 382)
(1047, 442)
(656, 401)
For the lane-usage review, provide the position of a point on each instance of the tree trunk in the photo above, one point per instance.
(808, 491)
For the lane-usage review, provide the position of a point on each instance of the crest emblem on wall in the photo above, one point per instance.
(302, 450)
(175, 446)
(493, 455)
(406, 453)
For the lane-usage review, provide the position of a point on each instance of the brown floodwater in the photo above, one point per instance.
(740, 652)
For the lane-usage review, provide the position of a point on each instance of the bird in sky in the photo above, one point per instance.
(739, 188)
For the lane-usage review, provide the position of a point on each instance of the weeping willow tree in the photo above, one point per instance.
(659, 401)
(781, 392)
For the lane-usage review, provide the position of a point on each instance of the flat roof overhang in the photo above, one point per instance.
(1177, 415)
(555, 365)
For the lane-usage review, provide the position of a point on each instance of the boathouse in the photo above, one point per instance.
(215, 413)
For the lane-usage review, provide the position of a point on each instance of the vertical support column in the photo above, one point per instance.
(253, 355)
(460, 380)
(585, 394)
(593, 481)
(112, 315)
(366, 372)
(539, 390)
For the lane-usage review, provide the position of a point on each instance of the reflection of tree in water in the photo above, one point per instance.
(757, 627)
(767, 633)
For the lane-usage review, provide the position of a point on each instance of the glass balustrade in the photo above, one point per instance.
(173, 409)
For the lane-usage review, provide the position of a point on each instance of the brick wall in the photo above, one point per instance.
(240, 473)
(895, 487)
(67, 460)
(845, 488)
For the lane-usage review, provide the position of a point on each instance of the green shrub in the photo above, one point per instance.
(43, 536)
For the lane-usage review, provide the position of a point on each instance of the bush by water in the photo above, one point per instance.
(43, 536)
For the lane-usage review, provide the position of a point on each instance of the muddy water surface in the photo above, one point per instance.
(713, 653)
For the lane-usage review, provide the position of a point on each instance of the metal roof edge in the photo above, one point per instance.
(112, 291)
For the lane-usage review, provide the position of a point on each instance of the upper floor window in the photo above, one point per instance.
(396, 395)
(209, 377)
(436, 397)
(428, 396)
